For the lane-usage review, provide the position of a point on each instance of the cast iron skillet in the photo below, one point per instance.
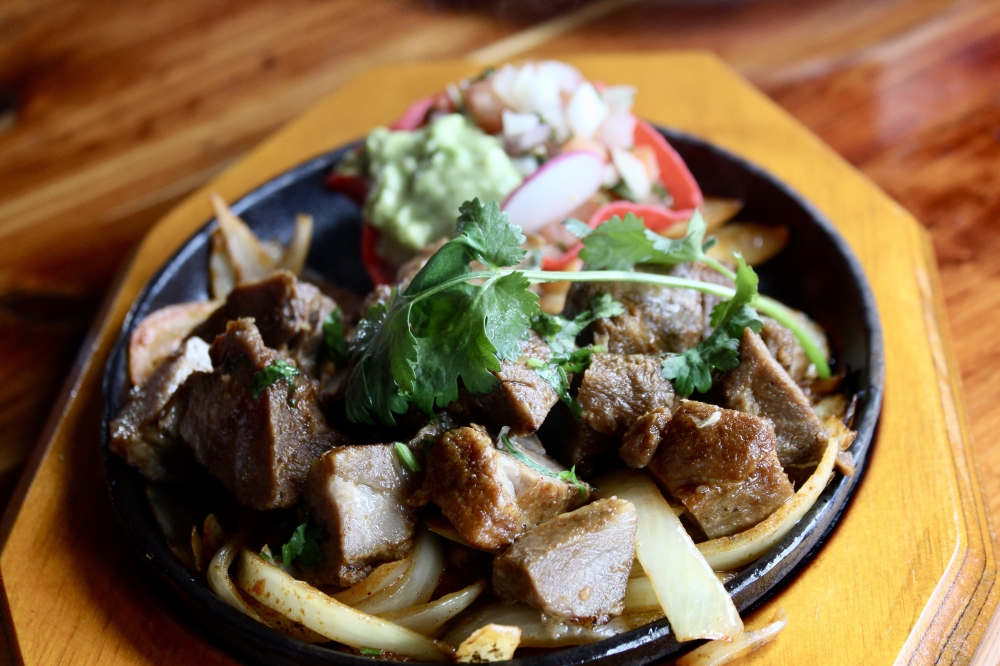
(816, 273)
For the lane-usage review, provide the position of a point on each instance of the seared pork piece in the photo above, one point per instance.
(617, 389)
(489, 496)
(642, 439)
(521, 401)
(260, 449)
(358, 494)
(785, 349)
(575, 566)
(288, 313)
(761, 387)
(656, 319)
(575, 444)
(722, 465)
(136, 433)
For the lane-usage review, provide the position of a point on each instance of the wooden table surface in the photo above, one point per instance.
(113, 112)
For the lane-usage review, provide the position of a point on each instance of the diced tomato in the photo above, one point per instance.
(379, 270)
(673, 172)
(355, 187)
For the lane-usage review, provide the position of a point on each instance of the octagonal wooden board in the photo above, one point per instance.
(907, 577)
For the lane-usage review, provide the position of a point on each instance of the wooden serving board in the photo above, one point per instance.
(907, 577)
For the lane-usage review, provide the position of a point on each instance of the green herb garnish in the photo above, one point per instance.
(371, 652)
(335, 344)
(569, 476)
(692, 369)
(560, 333)
(304, 545)
(405, 455)
(452, 323)
(277, 371)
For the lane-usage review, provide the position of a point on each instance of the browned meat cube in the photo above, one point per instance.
(489, 496)
(656, 319)
(760, 386)
(521, 401)
(259, 449)
(288, 312)
(575, 444)
(642, 439)
(575, 566)
(616, 390)
(136, 434)
(785, 349)
(722, 465)
(358, 494)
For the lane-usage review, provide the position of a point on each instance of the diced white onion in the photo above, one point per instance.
(427, 618)
(516, 124)
(568, 77)
(618, 131)
(633, 172)
(619, 98)
(586, 111)
(691, 596)
(297, 600)
(416, 586)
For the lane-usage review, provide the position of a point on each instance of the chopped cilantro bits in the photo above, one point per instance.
(335, 344)
(405, 455)
(304, 545)
(277, 371)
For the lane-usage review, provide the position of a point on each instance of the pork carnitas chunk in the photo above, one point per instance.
(490, 497)
(521, 401)
(785, 349)
(358, 494)
(761, 387)
(617, 389)
(260, 447)
(656, 319)
(722, 465)
(642, 439)
(288, 312)
(575, 566)
(575, 444)
(137, 434)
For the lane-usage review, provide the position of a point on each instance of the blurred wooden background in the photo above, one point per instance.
(111, 112)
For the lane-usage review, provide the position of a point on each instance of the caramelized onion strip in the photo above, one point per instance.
(297, 600)
(417, 584)
(732, 552)
(427, 618)
(220, 582)
(717, 653)
(378, 580)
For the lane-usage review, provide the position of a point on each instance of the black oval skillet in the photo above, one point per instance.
(816, 273)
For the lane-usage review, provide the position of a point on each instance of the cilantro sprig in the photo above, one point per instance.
(334, 338)
(453, 323)
(279, 370)
(692, 369)
(304, 545)
(569, 476)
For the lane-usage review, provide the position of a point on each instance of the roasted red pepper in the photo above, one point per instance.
(379, 270)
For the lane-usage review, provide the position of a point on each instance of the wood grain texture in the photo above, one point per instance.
(907, 576)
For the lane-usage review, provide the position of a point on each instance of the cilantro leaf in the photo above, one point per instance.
(443, 328)
(569, 476)
(577, 227)
(277, 371)
(621, 244)
(333, 338)
(304, 545)
(556, 377)
(371, 652)
(692, 369)
(560, 333)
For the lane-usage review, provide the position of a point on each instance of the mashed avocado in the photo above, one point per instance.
(420, 178)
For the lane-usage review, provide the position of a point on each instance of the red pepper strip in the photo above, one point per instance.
(379, 270)
(656, 218)
(354, 187)
(414, 116)
(673, 172)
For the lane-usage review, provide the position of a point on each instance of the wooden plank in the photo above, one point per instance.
(912, 548)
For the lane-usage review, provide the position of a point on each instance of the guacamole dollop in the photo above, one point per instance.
(420, 178)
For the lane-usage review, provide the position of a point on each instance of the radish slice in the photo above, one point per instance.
(555, 190)
(415, 115)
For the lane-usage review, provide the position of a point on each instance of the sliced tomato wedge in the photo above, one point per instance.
(674, 173)
(379, 270)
